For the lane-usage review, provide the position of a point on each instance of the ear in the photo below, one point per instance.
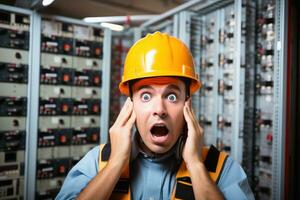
(189, 102)
(188, 98)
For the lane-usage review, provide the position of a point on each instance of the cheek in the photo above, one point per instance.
(141, 116)
(177, 117)
(142, 109)
(180, 119)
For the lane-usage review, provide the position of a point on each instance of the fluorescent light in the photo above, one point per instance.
(47, 2)
(119, 19)
(92, 19)
(114, 27)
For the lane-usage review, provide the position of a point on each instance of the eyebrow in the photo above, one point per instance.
(171, 86)
(175, 87)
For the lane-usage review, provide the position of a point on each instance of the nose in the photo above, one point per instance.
(159, 109)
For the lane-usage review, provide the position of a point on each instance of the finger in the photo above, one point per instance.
(124, 108)
(193, 114)
(131, 120)
(123, 111)
(188, 103)
(126, 115)
(190, 112)
(187, 117)
(195, 120)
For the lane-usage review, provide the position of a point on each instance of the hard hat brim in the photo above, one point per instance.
(194, 86)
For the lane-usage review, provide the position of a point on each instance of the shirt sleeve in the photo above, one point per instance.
(80, 175)
(233, 182)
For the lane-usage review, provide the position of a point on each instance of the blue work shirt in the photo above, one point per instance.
(153, 178)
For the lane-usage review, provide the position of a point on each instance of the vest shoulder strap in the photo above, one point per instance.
(214, 161)
(121, 190)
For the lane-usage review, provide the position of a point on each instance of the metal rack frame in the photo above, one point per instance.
(33, 107)
(279, 110)
(105, 102)
(237, 152)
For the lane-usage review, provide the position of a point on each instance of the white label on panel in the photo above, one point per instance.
(57, 90)
(53, 183)
(87, 120)
(57, 59)
(88, 91)
(81, 32)
(50, 28)
(55, 120)
(268, 98)
(89, 63)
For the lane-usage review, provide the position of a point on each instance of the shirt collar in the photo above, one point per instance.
(136, 149)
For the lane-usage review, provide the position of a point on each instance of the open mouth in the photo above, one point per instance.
(159, 130)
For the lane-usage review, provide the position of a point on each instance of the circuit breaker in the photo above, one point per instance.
(14, 48)
(70, 100)
(213, 41)
(213, 46)
(264, 98)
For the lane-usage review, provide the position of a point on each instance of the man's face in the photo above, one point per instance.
(158, 104)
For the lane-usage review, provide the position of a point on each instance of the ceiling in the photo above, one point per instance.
(95, 8)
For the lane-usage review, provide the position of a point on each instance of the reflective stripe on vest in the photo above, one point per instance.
(214, 161)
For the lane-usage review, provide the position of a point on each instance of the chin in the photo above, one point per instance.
(158, 149)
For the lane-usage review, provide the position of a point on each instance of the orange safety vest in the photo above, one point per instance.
(214, 161)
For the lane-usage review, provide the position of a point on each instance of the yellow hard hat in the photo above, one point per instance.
(159, 54)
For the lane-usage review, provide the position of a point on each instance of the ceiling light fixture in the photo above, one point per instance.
(119, 19)
(114, 27)
(47, 2)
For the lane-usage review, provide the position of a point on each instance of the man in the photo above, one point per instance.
(165, 159)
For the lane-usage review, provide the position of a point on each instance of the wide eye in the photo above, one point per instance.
(172, 97)
(146, 97)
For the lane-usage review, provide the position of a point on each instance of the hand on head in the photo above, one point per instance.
(194, 142)
(120, 133)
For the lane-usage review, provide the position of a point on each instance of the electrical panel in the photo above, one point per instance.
(249, 54)
(70, 100)
(264, 98)
(259, 111)
(14, 56)
(120, 47)
(213, 42)
(233, 45)
(209, 30)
